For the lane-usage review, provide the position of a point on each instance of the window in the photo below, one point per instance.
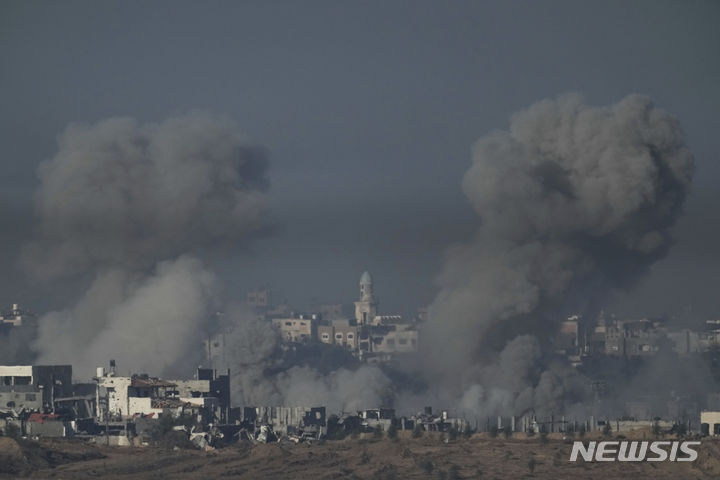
(402, 341)
(288, 324)
(10, 404)
(23, 380)
(350, 336)
(325, 336)
(716, 429)
(30, 397)
(339, 336)
(390, 343)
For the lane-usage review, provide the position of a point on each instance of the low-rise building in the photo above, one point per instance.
(124, 397)
(287, 420)
(710, 423)
(343, 332)
(685, 341)
(298, 329)
(634, 338)
(399, 338)
(33, 387)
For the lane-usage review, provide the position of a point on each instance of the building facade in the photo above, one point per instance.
(33, 387)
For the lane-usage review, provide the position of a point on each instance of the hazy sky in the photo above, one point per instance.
(369, 111)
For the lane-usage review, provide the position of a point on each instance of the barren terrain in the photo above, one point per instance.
(429, 457)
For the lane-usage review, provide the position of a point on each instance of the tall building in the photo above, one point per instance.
(366, 307)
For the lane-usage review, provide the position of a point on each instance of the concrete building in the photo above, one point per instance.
(343, 332)
(398, 338)
(33, 387)
(685, 341)
(710, 423)
(634, 338)
(287, 420)
(377, 417)
(124, 397)
(298, 329)
(366, 307)
(710, 337)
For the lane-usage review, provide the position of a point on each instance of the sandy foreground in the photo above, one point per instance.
(358, 458)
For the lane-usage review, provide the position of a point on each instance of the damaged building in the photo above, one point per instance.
(120, 397)
(298, 423)
(33, 387)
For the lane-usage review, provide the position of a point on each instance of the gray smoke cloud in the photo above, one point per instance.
(120, 193)
(147, 322)
(127, 205)
(574, 201)
(130, 206)
(252, 357)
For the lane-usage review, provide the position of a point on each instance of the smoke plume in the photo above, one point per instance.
(126, 206)
(253, 354)
(130, 207)
(122, 193)
(573, 202)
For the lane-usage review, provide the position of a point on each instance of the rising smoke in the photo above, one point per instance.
(123, 194)
(258, 378)
(131, 207)
(574, 201)
(127, 206)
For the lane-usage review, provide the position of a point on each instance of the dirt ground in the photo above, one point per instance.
(429, 457)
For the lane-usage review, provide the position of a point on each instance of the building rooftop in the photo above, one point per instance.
(139, 382)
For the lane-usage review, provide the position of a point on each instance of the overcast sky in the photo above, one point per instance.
(369, 111)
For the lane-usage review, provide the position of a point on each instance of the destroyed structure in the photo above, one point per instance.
(120, 398)
(42, 400)
(33, 387)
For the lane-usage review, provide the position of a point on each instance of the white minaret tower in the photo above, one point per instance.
(366, 307)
